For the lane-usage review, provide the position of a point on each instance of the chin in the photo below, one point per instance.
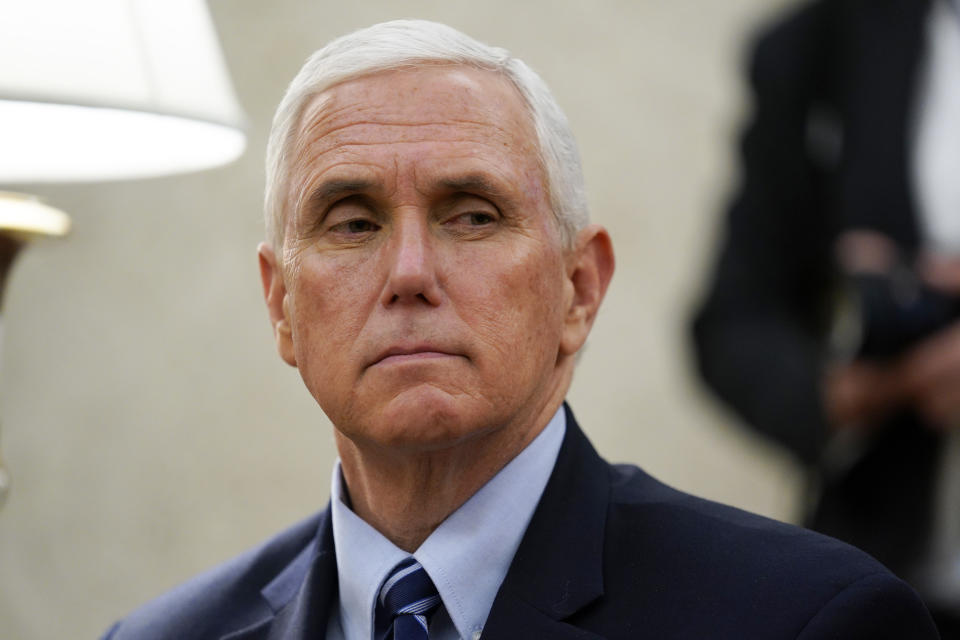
(427, 419)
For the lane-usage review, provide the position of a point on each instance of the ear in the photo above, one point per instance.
(589, 268)
(275, 295)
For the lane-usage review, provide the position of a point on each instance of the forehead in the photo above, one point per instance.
(452, 111)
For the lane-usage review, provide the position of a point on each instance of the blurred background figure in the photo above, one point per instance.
(831, 320)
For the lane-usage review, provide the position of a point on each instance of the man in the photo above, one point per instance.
(431, 273)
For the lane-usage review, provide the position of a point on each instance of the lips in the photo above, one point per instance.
(398, 354)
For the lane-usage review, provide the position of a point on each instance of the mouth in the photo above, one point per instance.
(400, 354)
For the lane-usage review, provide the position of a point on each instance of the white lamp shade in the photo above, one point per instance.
(108, 89)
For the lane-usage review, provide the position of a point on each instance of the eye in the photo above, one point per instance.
(476, 221)
(353, 229)
(478, 218)
(471, 214)
(359, 225)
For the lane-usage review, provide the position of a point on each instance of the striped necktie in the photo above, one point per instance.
(408, 598)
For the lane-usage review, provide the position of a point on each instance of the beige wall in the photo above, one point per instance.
(149, 425)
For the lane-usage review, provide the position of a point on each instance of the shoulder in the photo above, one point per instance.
(815, 33)
(710, 536)
(223, 598)
(743, 572)
(795, 47)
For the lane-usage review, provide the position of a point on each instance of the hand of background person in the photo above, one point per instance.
(927, 377)
(930, 377)
(859, 394)
(930, 372)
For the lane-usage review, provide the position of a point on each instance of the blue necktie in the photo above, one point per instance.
(408, 597)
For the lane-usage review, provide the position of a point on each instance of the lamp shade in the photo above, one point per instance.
(109, 89)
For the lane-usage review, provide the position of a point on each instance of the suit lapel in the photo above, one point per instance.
(558, 568)
(513, 617)
(301, 596)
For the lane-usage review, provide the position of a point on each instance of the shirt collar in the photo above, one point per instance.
(364, 558)
(467, 556)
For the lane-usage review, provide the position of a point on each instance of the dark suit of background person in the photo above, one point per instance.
(610, 553)
(833, 70)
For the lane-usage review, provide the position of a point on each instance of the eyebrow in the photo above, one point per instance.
(478, 184)
(472, 182)
(333, 189)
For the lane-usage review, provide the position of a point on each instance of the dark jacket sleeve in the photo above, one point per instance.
(759, 334)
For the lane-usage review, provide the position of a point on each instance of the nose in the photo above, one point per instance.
(412, 264)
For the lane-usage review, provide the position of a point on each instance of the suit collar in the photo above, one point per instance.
(301, 596)
(285, 586)
(558, 568)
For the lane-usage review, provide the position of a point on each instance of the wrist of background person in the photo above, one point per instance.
(858, 394)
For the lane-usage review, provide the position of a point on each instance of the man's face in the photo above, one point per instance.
(424, 285)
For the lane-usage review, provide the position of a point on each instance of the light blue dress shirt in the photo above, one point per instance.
(467, 556)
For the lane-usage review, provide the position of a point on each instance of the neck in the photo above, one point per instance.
(405, 496)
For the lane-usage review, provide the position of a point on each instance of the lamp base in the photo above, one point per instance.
(22, 218)
(4, 483)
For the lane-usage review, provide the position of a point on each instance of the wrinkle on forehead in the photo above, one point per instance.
(485, 101)
(345, 115)
(473, 90)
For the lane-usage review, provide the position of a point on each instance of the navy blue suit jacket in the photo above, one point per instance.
(610, 553)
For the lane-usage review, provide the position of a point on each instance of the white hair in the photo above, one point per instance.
(404, 43)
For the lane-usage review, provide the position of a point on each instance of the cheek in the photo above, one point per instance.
(330, 302)
(515, 307)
